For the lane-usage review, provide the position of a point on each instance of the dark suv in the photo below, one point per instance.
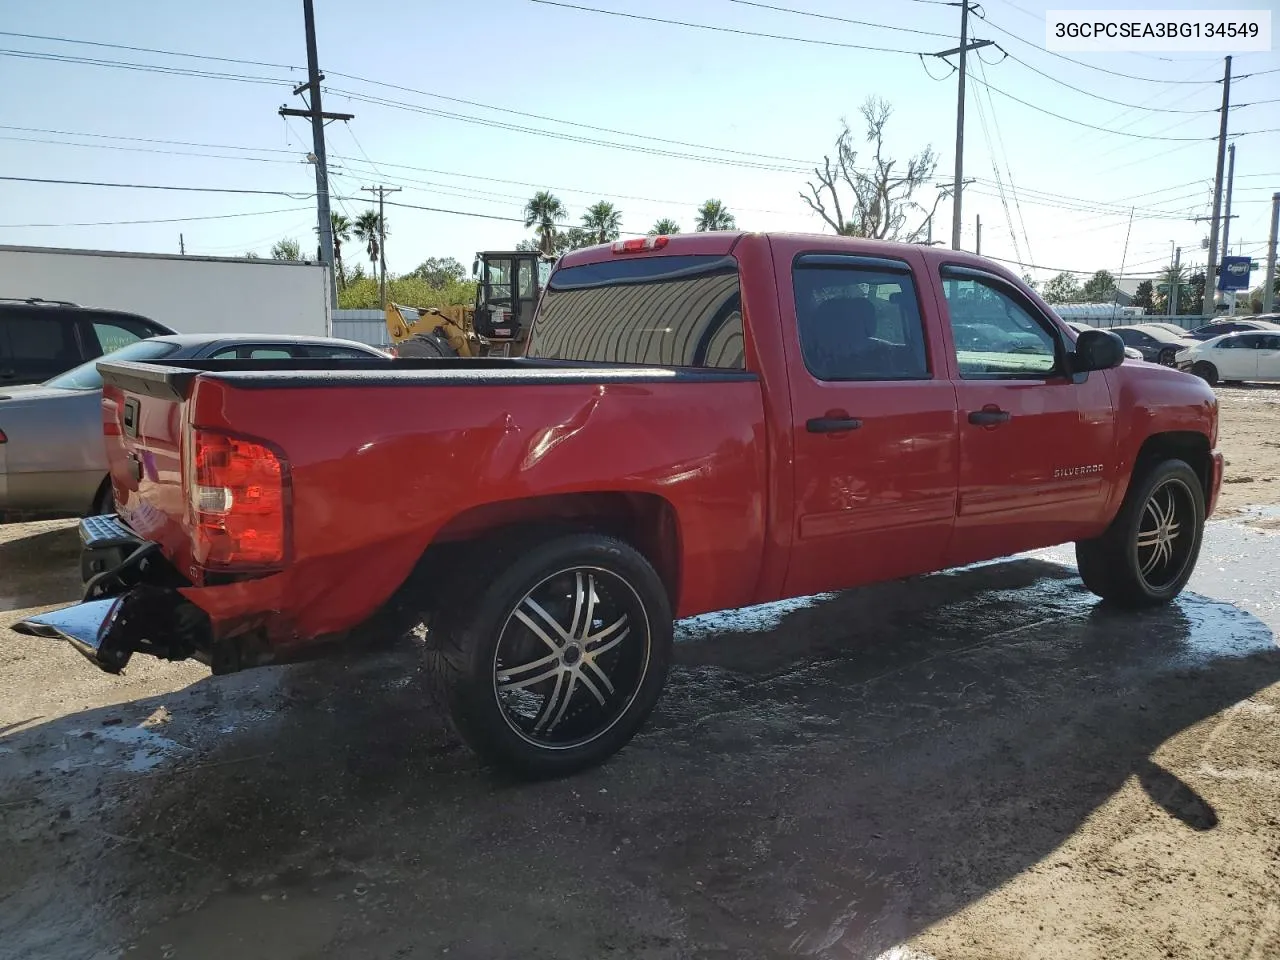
(41, 338)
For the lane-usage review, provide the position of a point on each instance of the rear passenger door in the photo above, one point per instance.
(1236, 357)
(1269, 357)
(1036, 442)
(35, 344)
(875, 432)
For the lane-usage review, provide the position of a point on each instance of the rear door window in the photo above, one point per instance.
(858, 319)
(107, 334)
(680, 311)
(35, 347)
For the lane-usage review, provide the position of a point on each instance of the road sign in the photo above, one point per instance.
(1234, 274)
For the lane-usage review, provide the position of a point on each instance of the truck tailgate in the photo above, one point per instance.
(143, 416)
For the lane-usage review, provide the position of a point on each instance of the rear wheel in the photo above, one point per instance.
(1148, 553)
(105, 501)
(1206, 371)
(557, 656)
(1167, 357)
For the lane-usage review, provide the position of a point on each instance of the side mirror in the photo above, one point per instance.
(475, 268)
(1097, 350)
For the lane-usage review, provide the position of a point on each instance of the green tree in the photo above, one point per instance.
(1026, 278)
(878, 200)
(1143, 296)
(1064, 288)
(1192, 302)
(541, 213)
(712, 216)
(603, 221)
(361, 292)
(251, 255)
(286, 249)
(439, 271)
(1100, 288)
(664, 227)
(341, 234)
(366, 229)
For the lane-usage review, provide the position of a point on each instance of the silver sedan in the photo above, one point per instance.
(52, 457)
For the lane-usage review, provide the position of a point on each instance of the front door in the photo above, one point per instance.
(875, 430)
(1036, 443)
(1236, 357)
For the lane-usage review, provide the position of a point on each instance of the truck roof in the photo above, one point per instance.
(723, 242)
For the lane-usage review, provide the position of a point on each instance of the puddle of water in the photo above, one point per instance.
(150, 749)
(758, 619)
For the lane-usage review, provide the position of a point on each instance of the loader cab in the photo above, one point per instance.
(507, 291)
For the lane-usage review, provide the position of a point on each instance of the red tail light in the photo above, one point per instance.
(3, 438)
(239, 491)
(640, 244)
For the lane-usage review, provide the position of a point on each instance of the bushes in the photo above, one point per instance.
(362, 293)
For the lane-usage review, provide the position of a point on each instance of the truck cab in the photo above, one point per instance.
(508, 286)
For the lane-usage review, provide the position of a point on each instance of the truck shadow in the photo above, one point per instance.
(39, 569)
(831, 787)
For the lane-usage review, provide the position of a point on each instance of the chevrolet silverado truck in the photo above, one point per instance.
(698, 423)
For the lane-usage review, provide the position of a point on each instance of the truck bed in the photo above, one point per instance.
(384, 458)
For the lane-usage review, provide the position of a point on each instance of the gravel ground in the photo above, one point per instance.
(977, 765)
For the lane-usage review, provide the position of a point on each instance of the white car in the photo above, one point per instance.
(1234, 357)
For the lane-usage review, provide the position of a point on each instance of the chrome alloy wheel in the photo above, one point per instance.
(571, 658)
(1165, 534)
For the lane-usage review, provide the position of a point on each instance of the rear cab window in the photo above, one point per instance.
(679, 311)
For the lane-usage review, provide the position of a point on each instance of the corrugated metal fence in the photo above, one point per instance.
(363, 326)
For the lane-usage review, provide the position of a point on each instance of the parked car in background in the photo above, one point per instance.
(1216, 328)
(1129, 352)
(52, 457)
(1234, 357)
(1171, 327)
(40, 339)
(1156, 344)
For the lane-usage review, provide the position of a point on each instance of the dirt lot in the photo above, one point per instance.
(978, 765)
(1250, 440)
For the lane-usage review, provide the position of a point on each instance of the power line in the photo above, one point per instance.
(827, 16)
(292, 195)
(734, 30)
(127, 223)
(171, 153)
(167, 53)
(144, 67)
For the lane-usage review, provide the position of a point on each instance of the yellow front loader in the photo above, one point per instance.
(432, 332)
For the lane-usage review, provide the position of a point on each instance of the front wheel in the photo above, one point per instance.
(1167, 357)
(1207, 372)
(1148, 553)
(553, 662)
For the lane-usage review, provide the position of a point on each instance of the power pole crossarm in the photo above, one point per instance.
(963, 49)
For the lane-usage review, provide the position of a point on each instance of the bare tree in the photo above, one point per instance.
(879, 200)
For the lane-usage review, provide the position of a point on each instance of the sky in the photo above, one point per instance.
(442, 94)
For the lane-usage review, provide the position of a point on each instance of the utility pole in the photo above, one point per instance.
(1226, 218)
(1269, 289)
(317, 116)
(182, 245)
(1173, 282)
(1211, 272)
(382, 191)
(977, 231)
(963, 49)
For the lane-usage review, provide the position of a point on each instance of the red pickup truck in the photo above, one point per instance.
(699, 422)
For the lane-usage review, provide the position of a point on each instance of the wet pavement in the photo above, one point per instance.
(978, 764)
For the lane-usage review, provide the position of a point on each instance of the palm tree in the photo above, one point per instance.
(1168, 278)
(341, 234)
(541, 213)
(366, 230)
(602, 221)
(664, 227)
(712, 215)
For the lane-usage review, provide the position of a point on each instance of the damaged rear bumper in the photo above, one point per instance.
(131, 603)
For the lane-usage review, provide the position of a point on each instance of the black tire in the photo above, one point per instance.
(529, 695)
(1167, 357)
(1206, 371)
(426, 345)
(1148, 553)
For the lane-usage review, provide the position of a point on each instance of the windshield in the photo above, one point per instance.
(86, 376)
